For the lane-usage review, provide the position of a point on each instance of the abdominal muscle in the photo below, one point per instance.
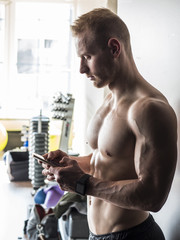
(104, 217)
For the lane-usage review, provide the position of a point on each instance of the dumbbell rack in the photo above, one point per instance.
(38, 143)
(62, 108)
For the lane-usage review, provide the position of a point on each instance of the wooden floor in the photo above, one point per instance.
(15, 197)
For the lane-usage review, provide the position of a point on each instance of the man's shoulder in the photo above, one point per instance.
(148, 104)
(149, 111)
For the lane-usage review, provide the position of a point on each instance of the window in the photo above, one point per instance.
(2, 18)
(2, 38)
(39, 56)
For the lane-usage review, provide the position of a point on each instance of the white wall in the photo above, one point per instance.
(155, 37)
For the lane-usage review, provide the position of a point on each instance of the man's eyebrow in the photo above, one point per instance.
(84, 54)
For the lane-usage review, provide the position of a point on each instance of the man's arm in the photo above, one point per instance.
(155, 128)
(83, 162)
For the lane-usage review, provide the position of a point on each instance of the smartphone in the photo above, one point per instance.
(42, 159)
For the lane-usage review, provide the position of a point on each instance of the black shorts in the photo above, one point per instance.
(148, 230)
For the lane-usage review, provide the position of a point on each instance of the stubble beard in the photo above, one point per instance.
(100, 82)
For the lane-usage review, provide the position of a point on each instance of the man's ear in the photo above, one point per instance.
(115, 46)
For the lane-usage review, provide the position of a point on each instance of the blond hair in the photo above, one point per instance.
(104, 24)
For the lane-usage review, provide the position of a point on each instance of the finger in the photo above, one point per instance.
(50, 177)
(53, 170)
(43, 164)
(45, 155)
(67, 161)
(54, 154)
(46, 166)
(51, 155)
(63, 162)
(46, 172)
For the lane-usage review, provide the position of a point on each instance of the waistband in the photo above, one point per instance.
(142, 227)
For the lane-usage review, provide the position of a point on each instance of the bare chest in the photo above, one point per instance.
(110, 133)
(111, 138)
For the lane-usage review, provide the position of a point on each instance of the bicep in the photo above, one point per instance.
(156, 146)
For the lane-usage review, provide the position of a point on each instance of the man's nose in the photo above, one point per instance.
(83, 67)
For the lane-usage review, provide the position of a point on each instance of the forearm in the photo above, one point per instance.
(83, 162)
(129, 194)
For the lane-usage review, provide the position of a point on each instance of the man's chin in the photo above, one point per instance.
(98, 85)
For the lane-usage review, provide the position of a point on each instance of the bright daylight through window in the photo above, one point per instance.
(2, 32)
(38, 55)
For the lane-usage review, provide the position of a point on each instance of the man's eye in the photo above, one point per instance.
(87, 57)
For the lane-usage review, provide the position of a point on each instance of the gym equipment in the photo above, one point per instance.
(17, 165)
(49, 196)
(39, 143)
(62, 108)
(3, 137)
(74, 226)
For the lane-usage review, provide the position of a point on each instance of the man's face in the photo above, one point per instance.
(95, 62)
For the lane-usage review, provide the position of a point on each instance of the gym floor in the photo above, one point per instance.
(14, 201)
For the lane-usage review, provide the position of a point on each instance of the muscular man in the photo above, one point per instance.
(133, 137)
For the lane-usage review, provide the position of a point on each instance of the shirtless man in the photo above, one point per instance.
(133, 137)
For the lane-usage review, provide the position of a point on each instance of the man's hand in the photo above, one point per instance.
(66, 174)
(54, 156)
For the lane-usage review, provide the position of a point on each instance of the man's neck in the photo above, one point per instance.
(126, 81)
